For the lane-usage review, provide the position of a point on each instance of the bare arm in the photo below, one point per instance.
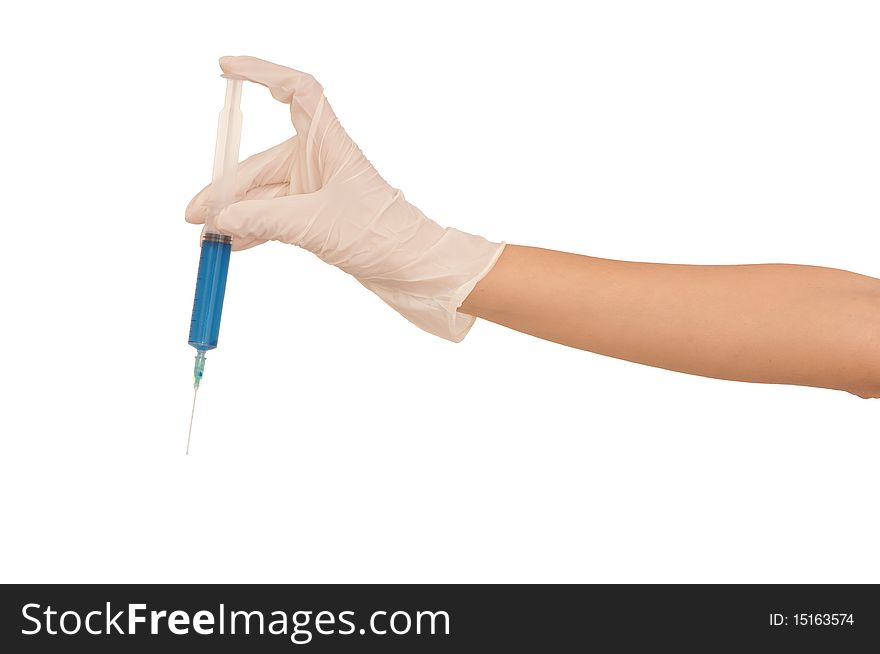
(770, 323)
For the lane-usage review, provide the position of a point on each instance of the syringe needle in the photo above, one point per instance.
(192, 413)
(198, 372)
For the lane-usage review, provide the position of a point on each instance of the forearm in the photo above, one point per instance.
(768, 323)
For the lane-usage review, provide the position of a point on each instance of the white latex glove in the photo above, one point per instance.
(318, 191)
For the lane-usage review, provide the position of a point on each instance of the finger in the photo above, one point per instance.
(269, 167)
(259, 193)
(286, 219)
(326, 149)
(300, 90)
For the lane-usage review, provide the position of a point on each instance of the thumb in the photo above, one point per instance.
(289, 219)
(267, 168)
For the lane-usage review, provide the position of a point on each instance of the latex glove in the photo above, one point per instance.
(318, 191)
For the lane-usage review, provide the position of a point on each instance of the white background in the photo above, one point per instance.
(334, 441)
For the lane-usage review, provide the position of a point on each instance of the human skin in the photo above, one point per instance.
(768, 323)
(773, 323)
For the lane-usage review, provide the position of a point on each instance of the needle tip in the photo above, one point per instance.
(192, 413)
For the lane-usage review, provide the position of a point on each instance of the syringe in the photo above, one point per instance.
(204, 327)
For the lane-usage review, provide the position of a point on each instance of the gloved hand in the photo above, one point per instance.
(318, 191)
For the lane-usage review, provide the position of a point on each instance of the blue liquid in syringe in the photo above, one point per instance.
(204, 328)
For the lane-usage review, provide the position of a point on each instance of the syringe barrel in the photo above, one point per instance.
(204, 328)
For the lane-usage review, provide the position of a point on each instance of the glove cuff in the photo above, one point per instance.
(430, 291)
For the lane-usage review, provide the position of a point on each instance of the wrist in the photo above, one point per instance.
(430, 290)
